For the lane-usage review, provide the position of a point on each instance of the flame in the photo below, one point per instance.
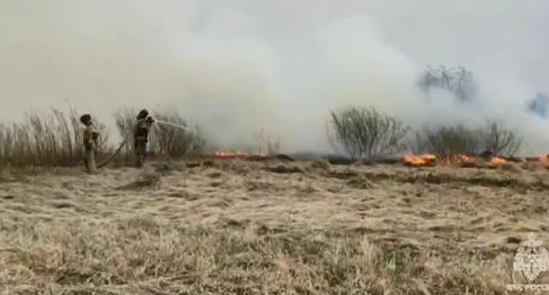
(544, 159)
(239, 154)
(429, 159)
(407, 158)
(230, 154)
(497, 160)
(462, 159)
(422, 160)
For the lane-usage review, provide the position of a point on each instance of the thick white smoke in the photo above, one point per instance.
(235, 66)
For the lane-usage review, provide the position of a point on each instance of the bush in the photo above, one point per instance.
(167, 140)
(500, 140)
(449, 141)
(539, 105)
(446, 142)
(458, 81)
(46, 139)
(364, 132)
(175, 142)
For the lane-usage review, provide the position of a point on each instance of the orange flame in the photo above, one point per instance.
(497, 160)
(429, 159)
(462, 159)
(422, 160)
(230, 154)
(544, 159)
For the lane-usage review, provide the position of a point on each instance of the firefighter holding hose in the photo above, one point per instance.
(91, 136)
(141, 136)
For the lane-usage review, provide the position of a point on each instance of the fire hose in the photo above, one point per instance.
(112, 156)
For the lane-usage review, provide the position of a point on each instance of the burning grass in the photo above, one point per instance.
(470, 161)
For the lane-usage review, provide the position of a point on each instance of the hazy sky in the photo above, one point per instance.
(238, 65)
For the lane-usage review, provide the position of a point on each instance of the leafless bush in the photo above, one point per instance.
(457, 81)
(449, 141)
(539, 104)
(500, 140)
(46, 139)
(175, 142)
(364, 132)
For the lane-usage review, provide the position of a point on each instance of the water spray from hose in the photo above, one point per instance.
(172, 124)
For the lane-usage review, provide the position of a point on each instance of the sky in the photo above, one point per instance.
(237, 66)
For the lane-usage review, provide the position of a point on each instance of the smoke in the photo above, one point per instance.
(236, 66)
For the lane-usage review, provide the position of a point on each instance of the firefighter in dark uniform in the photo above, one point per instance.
(141, 136)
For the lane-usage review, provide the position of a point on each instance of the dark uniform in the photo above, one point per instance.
(141, 136)
(91, 135)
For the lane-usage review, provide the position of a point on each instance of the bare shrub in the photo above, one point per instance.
(500, 140)
(449, 141)
(175, 142)
(46, 139)
(458, 81)
(539, 104)
(364, 132)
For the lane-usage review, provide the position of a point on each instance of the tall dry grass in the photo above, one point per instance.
(46, 139)
(54, 138)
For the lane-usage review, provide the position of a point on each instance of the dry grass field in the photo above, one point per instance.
(238, 227)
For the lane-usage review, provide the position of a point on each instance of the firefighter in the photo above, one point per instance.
(91, 136)
(141, 136)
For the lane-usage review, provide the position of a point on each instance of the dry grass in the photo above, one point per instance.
(45, 139)
(236, 227)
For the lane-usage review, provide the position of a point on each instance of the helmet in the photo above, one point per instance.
(85, 118)
(142, 114)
